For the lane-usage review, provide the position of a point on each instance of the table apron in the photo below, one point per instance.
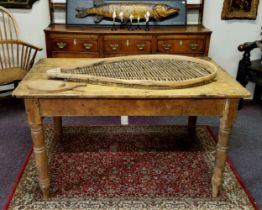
(131, 107)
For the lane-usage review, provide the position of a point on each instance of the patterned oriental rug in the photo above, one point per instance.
(130, 167)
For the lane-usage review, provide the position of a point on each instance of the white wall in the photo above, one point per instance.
(228, 34)
(32, 22)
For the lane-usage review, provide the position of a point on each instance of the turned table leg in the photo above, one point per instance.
(226, 123)
(35, 122)
(58, 128)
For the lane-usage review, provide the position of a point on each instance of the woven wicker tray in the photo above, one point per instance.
(158, 70)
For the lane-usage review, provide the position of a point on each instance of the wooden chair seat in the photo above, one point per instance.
(11, 74)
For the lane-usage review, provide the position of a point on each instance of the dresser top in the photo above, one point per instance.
(62, 28)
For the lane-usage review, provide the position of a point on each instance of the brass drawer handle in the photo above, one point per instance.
(140, 46)
(61, 45)
(193, 45)
(88, 46)
(114, 46)
(167, 46)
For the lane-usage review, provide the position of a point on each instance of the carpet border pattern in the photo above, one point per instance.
(231, 187)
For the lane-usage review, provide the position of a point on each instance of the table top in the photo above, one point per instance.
(224, 85)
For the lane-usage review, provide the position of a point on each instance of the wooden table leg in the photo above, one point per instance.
(192, 125)
(226, 123)
(58, 128)
(35, 122)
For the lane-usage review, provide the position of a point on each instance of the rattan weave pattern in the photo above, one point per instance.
(148, 70)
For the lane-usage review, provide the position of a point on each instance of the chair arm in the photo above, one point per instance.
(20, 42)
(17, 53)
(30, 45)
(248, 46)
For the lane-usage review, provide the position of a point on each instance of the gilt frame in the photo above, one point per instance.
(239, 9)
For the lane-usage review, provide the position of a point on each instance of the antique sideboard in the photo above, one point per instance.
(84, 41)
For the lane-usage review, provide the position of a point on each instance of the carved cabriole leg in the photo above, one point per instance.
(226, 123)
(58, 128)
(35, 122)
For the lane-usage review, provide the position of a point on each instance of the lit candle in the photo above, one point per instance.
(114, 16)
(121, 16)
(138, 19)
(131, 18)
(147, 16)
(114, 19)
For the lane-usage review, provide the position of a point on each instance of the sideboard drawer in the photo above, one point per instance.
(129, 44)
(63, 44)
(140, 46)
(181, 46)
(70, 44)
(87, 45)
(115, 46)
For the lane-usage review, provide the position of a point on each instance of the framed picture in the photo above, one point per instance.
(72, 5)
(239, 9)
(25, 4)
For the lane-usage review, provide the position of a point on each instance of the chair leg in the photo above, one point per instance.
(257, 93)
(243, 64)
(16, 83)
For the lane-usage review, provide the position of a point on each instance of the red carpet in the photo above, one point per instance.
(139, 167)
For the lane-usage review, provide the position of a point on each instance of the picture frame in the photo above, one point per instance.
(239, 9)
(22, 4)
(71, 5)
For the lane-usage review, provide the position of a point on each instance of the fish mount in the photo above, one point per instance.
(126, 13)
(129, 13)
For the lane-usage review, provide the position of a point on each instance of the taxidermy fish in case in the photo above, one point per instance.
(125, 11)
(99, 12)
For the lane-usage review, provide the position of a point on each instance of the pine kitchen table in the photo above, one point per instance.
(218, 98)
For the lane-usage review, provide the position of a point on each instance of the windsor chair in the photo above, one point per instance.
(16, 56)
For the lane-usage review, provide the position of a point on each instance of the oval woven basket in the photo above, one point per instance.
(158, 70)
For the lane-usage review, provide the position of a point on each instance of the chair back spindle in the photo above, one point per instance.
(8, 26)
(16, 56)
